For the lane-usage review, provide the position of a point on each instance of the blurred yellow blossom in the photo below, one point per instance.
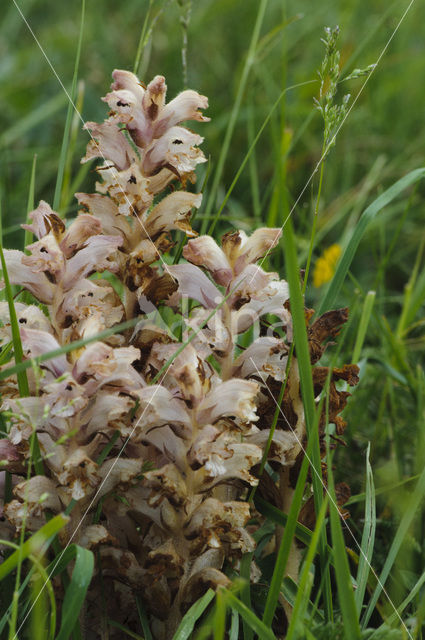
(325, 265)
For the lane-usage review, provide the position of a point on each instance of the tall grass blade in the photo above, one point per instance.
(415, 501)
(219, 616)
(246, 591)
(365, 219)
(187, 625)
(363, 324)
(76, 591)
(16, 337)
(304, 586)
(347, 602)
(306, 381)
(368, 537)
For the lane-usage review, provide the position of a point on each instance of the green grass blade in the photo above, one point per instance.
(307, 392)
(262, 630)
(366, 218)
(285, 546)
(234, 626)
(246, 591)
(235, 112)
(37, 585)
(39, 541)
(38, 613)
(69, 114)
(413, 593)
(363, 324)
(416, 499)
(304, 589)
(187, 625)
(289, 591)
(76, 591)
(347, 602)
(30, 201)
(219, 616)
(368, 537)
(16, 338)
(143, 619)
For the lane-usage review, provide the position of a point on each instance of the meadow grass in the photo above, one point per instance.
(257, 62)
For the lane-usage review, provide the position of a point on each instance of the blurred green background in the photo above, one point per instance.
(382, 139)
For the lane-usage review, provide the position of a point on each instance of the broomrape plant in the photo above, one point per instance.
(152, 438)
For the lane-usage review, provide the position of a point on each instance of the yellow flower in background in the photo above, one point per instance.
(325, 265)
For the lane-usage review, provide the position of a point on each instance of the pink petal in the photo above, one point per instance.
(184, 107)
(234, 397)
(260, 243)
(23, 275)
(172, 213)
(109, 143)
(106, 211)
(95, 256)
(205, 252)
(177, 148)
(36, 343)
(44, 220)
(193, 283)
(82, 228)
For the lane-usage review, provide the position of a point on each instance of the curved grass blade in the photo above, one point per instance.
(413, 593)
(76, 592)
(38, 543)
(187, 625)
(44, 578)
(367, 216)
